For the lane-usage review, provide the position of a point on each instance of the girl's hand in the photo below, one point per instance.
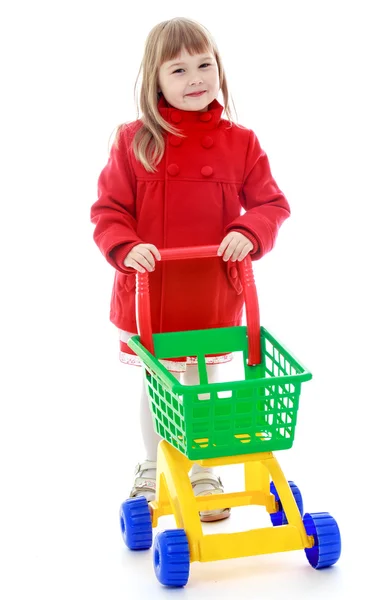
(235, 246)
(142, 255)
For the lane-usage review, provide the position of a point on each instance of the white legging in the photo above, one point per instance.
(150, 438)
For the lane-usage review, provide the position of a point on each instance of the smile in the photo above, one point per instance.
(196, 94)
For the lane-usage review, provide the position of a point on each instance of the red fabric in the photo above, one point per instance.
(199, 193)
(125, 348)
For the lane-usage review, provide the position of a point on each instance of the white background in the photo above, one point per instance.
(312, 80)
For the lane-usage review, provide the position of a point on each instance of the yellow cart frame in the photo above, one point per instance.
(174, 495)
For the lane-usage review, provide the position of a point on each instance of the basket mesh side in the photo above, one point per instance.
(168, 412)
(258, 418)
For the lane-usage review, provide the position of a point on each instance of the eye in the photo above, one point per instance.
(178, 70)
(205, 65)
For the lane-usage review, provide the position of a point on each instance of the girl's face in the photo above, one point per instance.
(190, 82)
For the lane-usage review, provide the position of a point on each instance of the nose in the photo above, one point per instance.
(196, 81)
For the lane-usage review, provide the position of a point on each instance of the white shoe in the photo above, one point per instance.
(205, 484)
(145, 481)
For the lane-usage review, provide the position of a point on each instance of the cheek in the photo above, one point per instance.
(215, 85)
(166, 83)
(214, 79)
(163, 82)
(176, 86)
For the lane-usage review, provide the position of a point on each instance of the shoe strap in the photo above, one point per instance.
(142, 484)
(206, 478)
(144, 466)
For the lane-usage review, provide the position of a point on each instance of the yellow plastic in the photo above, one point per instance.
(174, 495)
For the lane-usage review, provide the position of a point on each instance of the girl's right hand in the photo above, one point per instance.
(142, 255)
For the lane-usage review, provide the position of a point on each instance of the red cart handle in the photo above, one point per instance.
(250, 298)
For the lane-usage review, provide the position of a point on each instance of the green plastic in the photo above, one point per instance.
(256, 414)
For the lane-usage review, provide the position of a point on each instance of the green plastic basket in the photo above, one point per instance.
(256, 414)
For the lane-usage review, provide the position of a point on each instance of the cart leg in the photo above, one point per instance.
(256, 476)
(287, 499)
(174, 495)
(161, 505)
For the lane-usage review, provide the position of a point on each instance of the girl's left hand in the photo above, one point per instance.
(235, 246)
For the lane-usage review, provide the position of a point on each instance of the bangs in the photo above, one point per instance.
(176, 36)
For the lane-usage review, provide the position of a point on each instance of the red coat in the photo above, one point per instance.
(195, 198)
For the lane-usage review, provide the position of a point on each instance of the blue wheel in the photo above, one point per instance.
(136, 524)
(279, 517)
(327, 548)
(171, 557)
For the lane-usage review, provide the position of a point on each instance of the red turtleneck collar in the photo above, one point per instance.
(188, 118)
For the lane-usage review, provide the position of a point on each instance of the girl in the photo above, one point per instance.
(180, 176)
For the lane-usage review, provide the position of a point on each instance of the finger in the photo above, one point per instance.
(244, 252)
(230, 250)
(129, 262)
(154, 250)
(147, 254)
(222, 247)
(224, 244)
(142, 260)
(238, 250)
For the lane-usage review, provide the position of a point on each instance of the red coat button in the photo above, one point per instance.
(173, 169)
(233, 272)
(206, 116)
(175, 140)
(176, 116)
(207, 141)
(206, 171)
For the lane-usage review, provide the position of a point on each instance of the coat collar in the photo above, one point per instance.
(188, 119)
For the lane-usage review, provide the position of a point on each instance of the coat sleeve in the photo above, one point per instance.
(114, 212)
(265, 205)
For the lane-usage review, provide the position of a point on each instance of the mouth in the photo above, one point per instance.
(196, 94)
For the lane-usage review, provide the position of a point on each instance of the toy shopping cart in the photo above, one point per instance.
(233, 422)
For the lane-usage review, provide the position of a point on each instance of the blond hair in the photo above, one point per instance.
(165, 42)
